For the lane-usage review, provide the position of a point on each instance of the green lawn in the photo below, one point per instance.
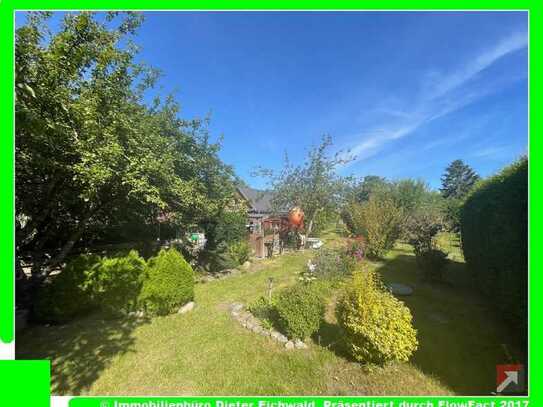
(206, 352)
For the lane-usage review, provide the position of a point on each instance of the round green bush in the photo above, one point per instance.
(377, 326)
(169, 283)
(69, 293)
(300, 311)
(117, 282)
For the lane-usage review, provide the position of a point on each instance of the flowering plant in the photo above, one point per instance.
(308, 274)
(356, 248)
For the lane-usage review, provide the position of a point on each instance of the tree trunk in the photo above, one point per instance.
(311, 222)
(309, 228)
(67, 248)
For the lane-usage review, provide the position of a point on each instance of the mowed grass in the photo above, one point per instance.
(461, 339)
(206, 352)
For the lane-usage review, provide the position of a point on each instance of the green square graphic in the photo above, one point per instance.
(28, 382)
(25, 383)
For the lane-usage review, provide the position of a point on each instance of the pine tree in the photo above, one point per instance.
(457, 180)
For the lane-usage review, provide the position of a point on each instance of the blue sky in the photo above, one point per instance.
(406, 92)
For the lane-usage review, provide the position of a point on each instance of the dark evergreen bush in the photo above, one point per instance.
(117, 282)
(68, 294)
(494, 226)
(91, 282)
(169, 283)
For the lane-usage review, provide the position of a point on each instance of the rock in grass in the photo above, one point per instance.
(400, 289)
(289, 345)
(246, 265)
(236, 307)
(282, 338)
(189, 306)
(298, 344)
(244, 316)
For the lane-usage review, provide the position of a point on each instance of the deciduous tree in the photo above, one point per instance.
(314, 185)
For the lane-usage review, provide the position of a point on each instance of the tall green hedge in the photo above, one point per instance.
(494, 226)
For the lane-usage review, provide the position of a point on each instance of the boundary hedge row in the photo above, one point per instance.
(494, 226)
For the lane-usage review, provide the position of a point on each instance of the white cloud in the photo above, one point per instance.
(491, 152)
(481, 62)
(442, 94)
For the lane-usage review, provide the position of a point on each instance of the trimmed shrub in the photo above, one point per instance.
(68, 294)
(90, 282)
(377, 325)
(169, 283)
(300, 311)
(239, 251)
(117, 282)
(494, 227)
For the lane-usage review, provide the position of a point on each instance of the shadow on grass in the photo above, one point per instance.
(461, 339)
(78, 351)
(330, 336)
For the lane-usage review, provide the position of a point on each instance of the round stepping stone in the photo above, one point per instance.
(400, 289)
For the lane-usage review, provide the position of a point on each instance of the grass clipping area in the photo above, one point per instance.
(207, 352)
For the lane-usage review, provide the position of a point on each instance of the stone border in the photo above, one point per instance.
(250, 322)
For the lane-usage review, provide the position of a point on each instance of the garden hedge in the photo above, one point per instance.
(494, 227)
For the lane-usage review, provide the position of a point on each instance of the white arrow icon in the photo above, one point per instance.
(512, 377)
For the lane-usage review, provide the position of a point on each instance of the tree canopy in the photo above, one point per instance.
(90, 152)
(313, 185)
(458, 180)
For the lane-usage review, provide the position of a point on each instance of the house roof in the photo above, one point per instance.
(260, 201)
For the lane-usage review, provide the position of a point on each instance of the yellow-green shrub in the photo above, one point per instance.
(377, 326)
(169, 283)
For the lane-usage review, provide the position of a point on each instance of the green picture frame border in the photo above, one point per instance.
(36, 375)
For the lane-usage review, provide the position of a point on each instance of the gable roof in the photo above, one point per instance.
(259, 201)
